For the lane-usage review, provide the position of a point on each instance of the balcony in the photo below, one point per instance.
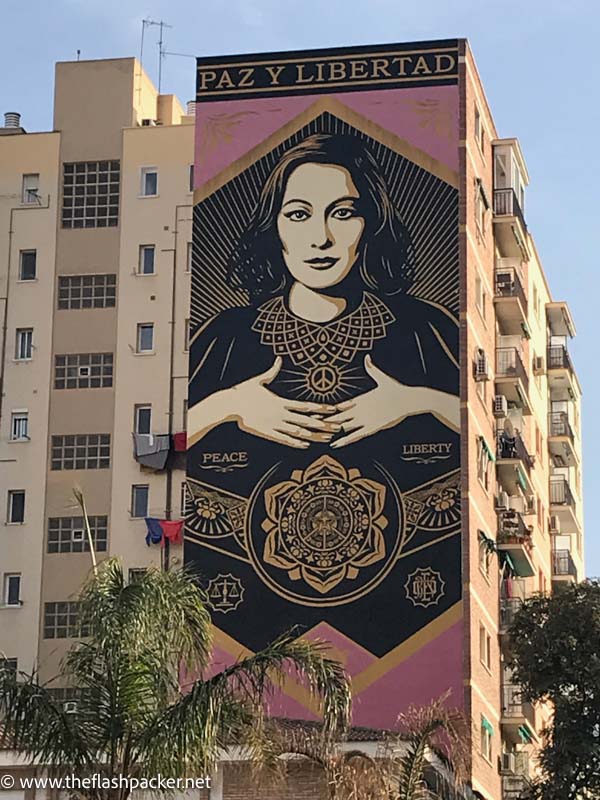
(518, 716)
(563, 566)
(562, 380)
(561, 439)
(509, 224)
(562, 503)
(510, 300)
(514, 538)
(512, 379)
(513, 786)
(513, 464)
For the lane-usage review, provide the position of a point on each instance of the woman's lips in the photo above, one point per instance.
(321, 263)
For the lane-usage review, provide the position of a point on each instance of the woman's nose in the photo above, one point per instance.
(321, 234)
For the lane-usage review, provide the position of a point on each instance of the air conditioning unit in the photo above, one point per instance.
(70, 707)
(482, 367)
(500, 406)
(502, 501)
(508, 762)
(538, 365)
(554, 524)
(146, 123)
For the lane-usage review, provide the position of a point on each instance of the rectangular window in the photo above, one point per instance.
(188, 263)
(83, 371)
(484, 457)
(9, 665)
(68, 534)
(486, 739)
(62, 621)
(31, 188)
(24, 344)
(485, 555)
(91, 194)
(191, 178)
(27, 265)
(187, 333)
(143, 419)
(485, 647)
(12, 588)
(139, 500)
(16, 506)
(145, 337)
(19, 426)
(81, 451)
(185, 414)
(149, 186)
(146, 259)
(136, 574)
(480, 297)
(86, 291)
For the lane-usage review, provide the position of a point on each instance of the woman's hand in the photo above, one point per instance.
(259, 411)
(388, 404)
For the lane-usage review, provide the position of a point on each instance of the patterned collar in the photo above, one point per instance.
(315, 343)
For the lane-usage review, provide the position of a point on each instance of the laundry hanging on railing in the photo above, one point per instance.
(172, 530)
(161, 530)
(151, 450)
(155, 531)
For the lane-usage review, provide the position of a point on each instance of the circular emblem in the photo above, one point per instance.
(323, 379)
(324, 537)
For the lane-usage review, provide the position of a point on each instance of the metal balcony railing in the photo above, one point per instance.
(513, 706)
(509, 364)
(560, 493)
(563, 564)
(513, 447)
(508, 284)
(559, 425)
(513, 589)
(509, 607)
(506, 204)
(558, 357)
(513, 787)
(511, 526)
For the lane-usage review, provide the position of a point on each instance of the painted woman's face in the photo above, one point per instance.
(319, 224)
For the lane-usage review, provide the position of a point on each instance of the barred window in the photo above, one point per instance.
(91, 194)
(66, 694)
(87, 291)
(68, 534)
(83, 371)
(81, 451)
(9, 665)
(61, 621)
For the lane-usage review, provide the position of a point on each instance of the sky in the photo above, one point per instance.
(540, 65)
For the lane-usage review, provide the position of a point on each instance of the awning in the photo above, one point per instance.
(487, 449)
(487, 726)
(521, 479)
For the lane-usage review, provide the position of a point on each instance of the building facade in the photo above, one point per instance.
(95, 298)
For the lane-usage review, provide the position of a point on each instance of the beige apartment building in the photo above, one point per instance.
(95, 283)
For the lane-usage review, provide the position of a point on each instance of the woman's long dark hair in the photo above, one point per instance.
(386, 258)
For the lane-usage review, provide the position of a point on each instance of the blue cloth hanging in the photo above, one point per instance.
(155, 531)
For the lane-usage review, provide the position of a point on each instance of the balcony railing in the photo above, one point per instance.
(508, 284)
(507, 205)
(558, 357)
(513, 589)
(559, 425)
(509, 364)
(513, 706)
(509, 607)
(563, 564)
(510, 447)
(512, 527)
(513, 787)
(560, 493)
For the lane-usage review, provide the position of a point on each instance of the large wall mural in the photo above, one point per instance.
(323, 482)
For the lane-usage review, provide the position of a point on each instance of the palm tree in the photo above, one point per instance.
(132, 717)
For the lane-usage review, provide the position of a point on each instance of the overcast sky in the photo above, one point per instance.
(540, 64)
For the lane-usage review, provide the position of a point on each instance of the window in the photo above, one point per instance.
(484, 457)
(477, 125)
(16, 506)
(82, 451)
(139, 500)
(480, 297)
(187, 334)
(486, 739)
(191, 178)
(31, 187)
(146, 259)
(485, 554)
(149, 182)
(136, 574)
(61, 621)
(91, 194)
(536, 302)
(19, 426)
(68, 534)
(12, 589)
(27, 265)
(143, 419)
(188, 263)
(185, 414)
(86, 291)
(9, 665)
(24, 344)
(83, 371)
(480, 209)
(145, 337)
(485, 647)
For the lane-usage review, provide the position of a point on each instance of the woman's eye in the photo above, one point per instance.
(298, 215)
(343, 213)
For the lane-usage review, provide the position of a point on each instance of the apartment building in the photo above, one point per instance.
(95, 275)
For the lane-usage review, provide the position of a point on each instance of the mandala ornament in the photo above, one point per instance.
(324, 525)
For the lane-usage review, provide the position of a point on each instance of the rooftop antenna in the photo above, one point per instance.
(147, 23)
(78, 54)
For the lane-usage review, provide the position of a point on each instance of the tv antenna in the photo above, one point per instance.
(161, 24)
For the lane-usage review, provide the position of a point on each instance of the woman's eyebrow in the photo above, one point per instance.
(296, 200)
(345, 199)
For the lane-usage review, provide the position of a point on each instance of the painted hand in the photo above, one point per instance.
(259, 411)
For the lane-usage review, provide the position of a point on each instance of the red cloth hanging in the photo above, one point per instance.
(172, 530)
(180, 442)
